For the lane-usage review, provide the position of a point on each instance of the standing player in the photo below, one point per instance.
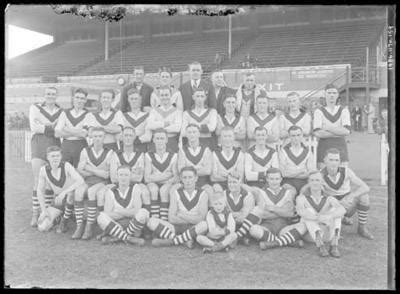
(63, 180)
(321, 214)
(94, 166)
(221, 90)
(205, 118)
(227, 159)
(42, 119)
(294, 117)
(137, 119)
(247, 94)
(275, 206)
(187, 211)
(109, 119)
(144, 89)
(337, 183)
(331, 125)
(296, 160)
(263, 119)
(72, 126)
(165, 76)
(160, 174)
(123, 207)
(186, 89)
(258, 159)
(230, 118)
(166, 117)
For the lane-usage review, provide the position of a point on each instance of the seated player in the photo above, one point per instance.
(226, 159)
(132, 158)
(296, 160)
(166, 117)
(160, 173)
(123, 207)
(294, 117)
(263, 119)
(137, 119)
(109, 119)
(232, 119)
(187, 211)
(239, 202)
(63, 179)
(258, 159)
(205, 118)
(321, 214)
(274, 207)
(220, 227)
(337, 182)
(94, 166)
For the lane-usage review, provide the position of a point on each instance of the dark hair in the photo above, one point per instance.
(188, 168)
(165, 88)
(332, 151)
(53, 149)
(128, 128)
(199, 89)
(331, 86)
(260, 128)
(80, 90)
(133, 91)
(193, 63)
(98, 129)
(160, 130)
(294, 128)
(108, 91)
(51, 88)
(165, 69)
(192, 126)
(124, 166)
(273, 170)
(292, 94)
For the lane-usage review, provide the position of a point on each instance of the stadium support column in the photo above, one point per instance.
(106, 41)
(368, 100)
(347, 84)
(229, 35)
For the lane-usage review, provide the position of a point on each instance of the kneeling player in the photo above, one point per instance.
(63, 180)
(275, 206)
(94, 165)
(221, 227)
(187, 211)
(321, 214)
(123, 205)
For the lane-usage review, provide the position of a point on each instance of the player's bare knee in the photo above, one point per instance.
(152, 223)
(201, 227)
(103, 220)
(142, 215)
(256, 231)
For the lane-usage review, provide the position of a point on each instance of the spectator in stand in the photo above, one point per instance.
(356, 116)
(383, 123)
(221, 90)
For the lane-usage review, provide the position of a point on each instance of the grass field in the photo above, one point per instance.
(34, 259)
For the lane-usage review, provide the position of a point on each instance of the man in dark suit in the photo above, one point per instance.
(145, 91)
(221, 90)
(186, 89)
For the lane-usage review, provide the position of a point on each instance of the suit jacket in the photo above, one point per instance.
(223, 92)
(145, 92)
(187, 93)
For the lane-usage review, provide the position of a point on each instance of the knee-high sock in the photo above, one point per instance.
(335, 239)
(189, 234)
(362, 211)
(68, 211)
(100, 208)
(35, 202)
(134, 226)
(268, 236)
(163, 232)
(288, 238)
(92, 210)
(78, 209)
(48, 197)
(116, 230)
(164, 210)
(155, 209)
(248, 222)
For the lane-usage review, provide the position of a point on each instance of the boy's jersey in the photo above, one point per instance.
(67, 173)
(326, 204)
(127, 200)
(303, 120)
(39, 116)
(340, 117)
(196, 158)
(138, 121)
(254, 163)
(98, 120)
(189, 203)
(219, 220)
(294, 163)
(101, 161)
(162, 164)
(277, 200)
(234, 163)
(70, 118)
(339, 186)
(159, 116)
(236, 206)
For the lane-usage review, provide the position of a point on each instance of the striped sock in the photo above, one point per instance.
(48, 197)
(268, 236)
(100, 208)
(134, 226)
(92, 210)
(78, 209)
(155, 209)
(164, 207)
(116, 230)
(68, 210)
(362, 211)
(187, 235)
(335, 240)
(248, 222)
(35, 202)
(288, 238)
(147, 207)
(163, 232)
